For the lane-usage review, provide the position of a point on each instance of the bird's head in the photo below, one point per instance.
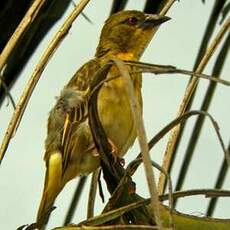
(128, 32)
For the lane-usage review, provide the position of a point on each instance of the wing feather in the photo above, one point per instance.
(69, 112)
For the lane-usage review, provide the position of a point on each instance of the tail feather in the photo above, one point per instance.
(52, 188)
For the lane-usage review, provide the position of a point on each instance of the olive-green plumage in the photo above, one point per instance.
(70, 150)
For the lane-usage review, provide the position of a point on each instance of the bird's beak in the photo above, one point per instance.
(152, 20)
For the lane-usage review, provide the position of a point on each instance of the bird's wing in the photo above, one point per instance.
(67, 133)
(73, 119)
(69, 112)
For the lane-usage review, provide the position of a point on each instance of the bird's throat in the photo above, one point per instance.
(126, 56)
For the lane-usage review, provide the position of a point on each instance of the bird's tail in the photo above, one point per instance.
(52, 188)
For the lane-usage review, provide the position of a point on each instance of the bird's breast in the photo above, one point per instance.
(115, 114)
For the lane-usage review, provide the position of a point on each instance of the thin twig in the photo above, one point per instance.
(167, 6)
(10, 97)
(210, 28)
(206, 192)
(189, 90)
(20, 108)
(92, 193)
(111, 215)
(162, 69)
(24, 24)
(82, 13)
(138, 120)
(109, 227)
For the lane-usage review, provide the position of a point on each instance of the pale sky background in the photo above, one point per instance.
(176, 43)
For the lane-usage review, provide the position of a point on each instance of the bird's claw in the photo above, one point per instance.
(114, 153)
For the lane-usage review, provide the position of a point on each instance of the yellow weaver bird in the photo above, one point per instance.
(69, 148)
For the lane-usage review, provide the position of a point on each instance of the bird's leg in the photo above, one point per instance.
(115, 155)
(114, 152)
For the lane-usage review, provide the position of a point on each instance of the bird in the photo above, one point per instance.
(70, 150)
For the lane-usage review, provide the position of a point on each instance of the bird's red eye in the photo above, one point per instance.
(132, 21)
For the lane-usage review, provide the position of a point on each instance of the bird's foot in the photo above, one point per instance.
(114, 153)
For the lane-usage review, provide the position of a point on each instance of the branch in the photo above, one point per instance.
(24, 24)
(24, 99)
